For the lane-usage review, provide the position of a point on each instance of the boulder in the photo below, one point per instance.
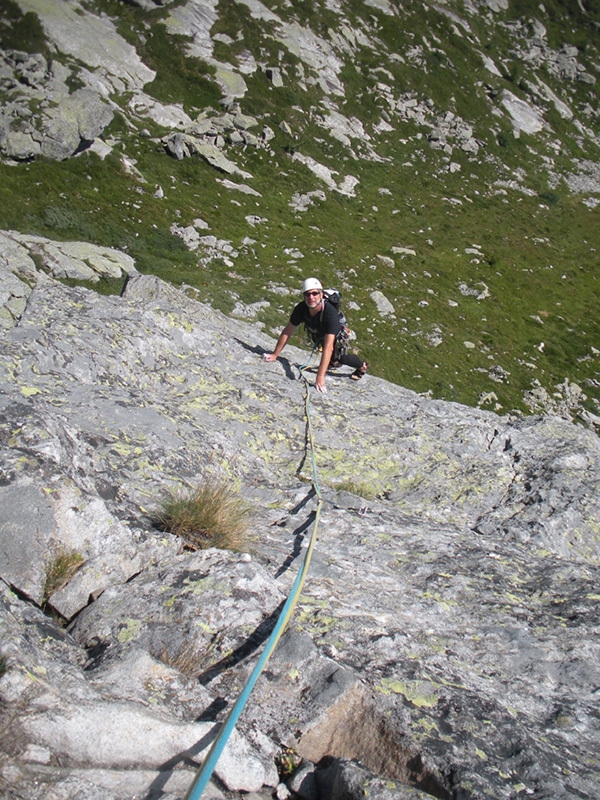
(384, 306)
(76, 121)
(91, 39)
(182, 145)
(77, 260)
(274, 75)
(19, 146)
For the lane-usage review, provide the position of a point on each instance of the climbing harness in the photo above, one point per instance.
(205, 772)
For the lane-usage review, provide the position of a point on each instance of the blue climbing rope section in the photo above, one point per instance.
(206, 770)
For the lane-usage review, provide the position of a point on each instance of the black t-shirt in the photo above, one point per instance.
(326, 321)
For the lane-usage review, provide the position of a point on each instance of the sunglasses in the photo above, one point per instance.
(311, 294)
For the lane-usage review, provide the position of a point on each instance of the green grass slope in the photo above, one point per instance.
(488, 259)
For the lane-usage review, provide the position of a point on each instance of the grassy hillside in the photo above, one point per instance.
(494, 279)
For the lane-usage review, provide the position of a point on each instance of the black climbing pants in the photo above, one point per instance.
(347, 360)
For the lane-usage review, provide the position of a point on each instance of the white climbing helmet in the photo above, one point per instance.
(310, 284)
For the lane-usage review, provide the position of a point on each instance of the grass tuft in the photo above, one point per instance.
(212, 515)
(186, 659)
(360, 489)
(60, 570)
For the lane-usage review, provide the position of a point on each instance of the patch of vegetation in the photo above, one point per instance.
(211, 515)
(20, 31)
(104, 286)
(186, 659)
(60, 570)
(356, 487)
(549, 197)
(74, 82)
(179, 78)
(287, 761)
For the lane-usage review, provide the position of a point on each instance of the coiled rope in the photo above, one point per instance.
(206, 770)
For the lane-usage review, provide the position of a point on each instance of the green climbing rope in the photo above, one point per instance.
(206, 770)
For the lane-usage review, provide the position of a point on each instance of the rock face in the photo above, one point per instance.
(446, 643)
(360, 108)
(64, 124)
(79, 261)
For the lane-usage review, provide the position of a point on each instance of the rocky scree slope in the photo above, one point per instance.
(436, 161)
(446, 643)
(90, 47)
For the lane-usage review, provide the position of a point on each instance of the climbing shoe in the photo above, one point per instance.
(358, 373)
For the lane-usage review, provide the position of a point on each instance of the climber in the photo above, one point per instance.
(324, 324)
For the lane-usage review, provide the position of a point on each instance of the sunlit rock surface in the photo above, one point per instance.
(446, 641)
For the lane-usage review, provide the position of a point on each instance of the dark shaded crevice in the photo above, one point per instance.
(252, 643)
(297, 548)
